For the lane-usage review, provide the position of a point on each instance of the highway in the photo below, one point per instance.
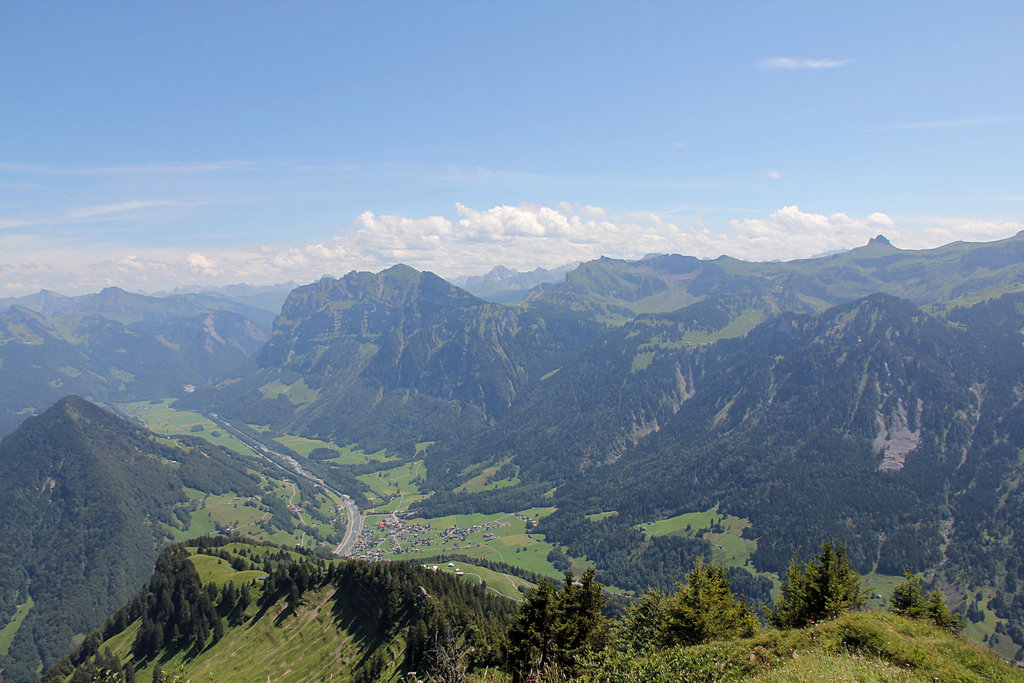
(354, 517)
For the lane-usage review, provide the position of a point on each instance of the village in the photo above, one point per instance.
(392, 536)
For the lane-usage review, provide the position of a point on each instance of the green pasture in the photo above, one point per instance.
(347, 455)
(8, 631)
(484, 481)
(227, 510)
(394, 489)
(306, 645)
(513, 545)
(598, 516)
(298, 393)
(728, 547)
(161, 418)
(503, 584)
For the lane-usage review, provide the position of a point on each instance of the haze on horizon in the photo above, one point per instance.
(150, 146)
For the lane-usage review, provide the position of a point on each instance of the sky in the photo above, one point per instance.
(151, 145)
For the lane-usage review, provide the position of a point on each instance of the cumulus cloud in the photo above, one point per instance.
(473, 240)
(791, 233)
(200, 265)
(794, 63)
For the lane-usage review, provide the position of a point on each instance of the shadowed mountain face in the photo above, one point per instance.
(873, 423)
(393, 359)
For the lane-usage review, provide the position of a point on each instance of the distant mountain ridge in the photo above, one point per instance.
(127, 307)
(959, 273)
(117, 346)
(504, 285)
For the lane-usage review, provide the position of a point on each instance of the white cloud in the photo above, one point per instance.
(120, 207)
(970, 121)
(771, 175)
(473, 240)
(791, 233)
(95, 213)
(794, 63)
(925, 232)
(201, 265)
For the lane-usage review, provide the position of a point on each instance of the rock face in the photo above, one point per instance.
(896, 439)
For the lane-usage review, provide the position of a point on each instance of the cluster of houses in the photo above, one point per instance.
(393, 536)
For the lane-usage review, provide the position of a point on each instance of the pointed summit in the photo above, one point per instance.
(880, 241)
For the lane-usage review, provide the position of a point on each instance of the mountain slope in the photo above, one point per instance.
(302, 618)
(86, 501)
(260, 611)
(390, 360)
(873, 423)
(45, 357)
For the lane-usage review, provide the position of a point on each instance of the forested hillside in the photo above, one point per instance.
(291, 616)
(87, 501)
(874, 423)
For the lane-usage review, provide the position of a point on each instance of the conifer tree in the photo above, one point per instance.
(908, 600)
(553, 627)
(817, 590)
(706, 609)
(645, 622)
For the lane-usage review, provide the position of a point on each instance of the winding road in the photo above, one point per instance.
(355, 518)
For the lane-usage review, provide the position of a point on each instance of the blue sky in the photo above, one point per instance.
(149, 145)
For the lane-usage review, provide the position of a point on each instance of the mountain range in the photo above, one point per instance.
(872, 397)
(118, 346)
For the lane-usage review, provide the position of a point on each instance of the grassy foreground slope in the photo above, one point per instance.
(247, 611)
(309, 618)
(862, 646)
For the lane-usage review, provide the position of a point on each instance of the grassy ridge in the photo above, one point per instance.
(864, 646)
(354, 621)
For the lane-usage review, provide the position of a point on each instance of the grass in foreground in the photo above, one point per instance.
(865, 646)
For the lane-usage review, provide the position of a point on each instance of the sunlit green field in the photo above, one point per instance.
(347, 455)
(396, 488)
(501, 537)
(8, 631)
(728, 546)
(162, 419)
